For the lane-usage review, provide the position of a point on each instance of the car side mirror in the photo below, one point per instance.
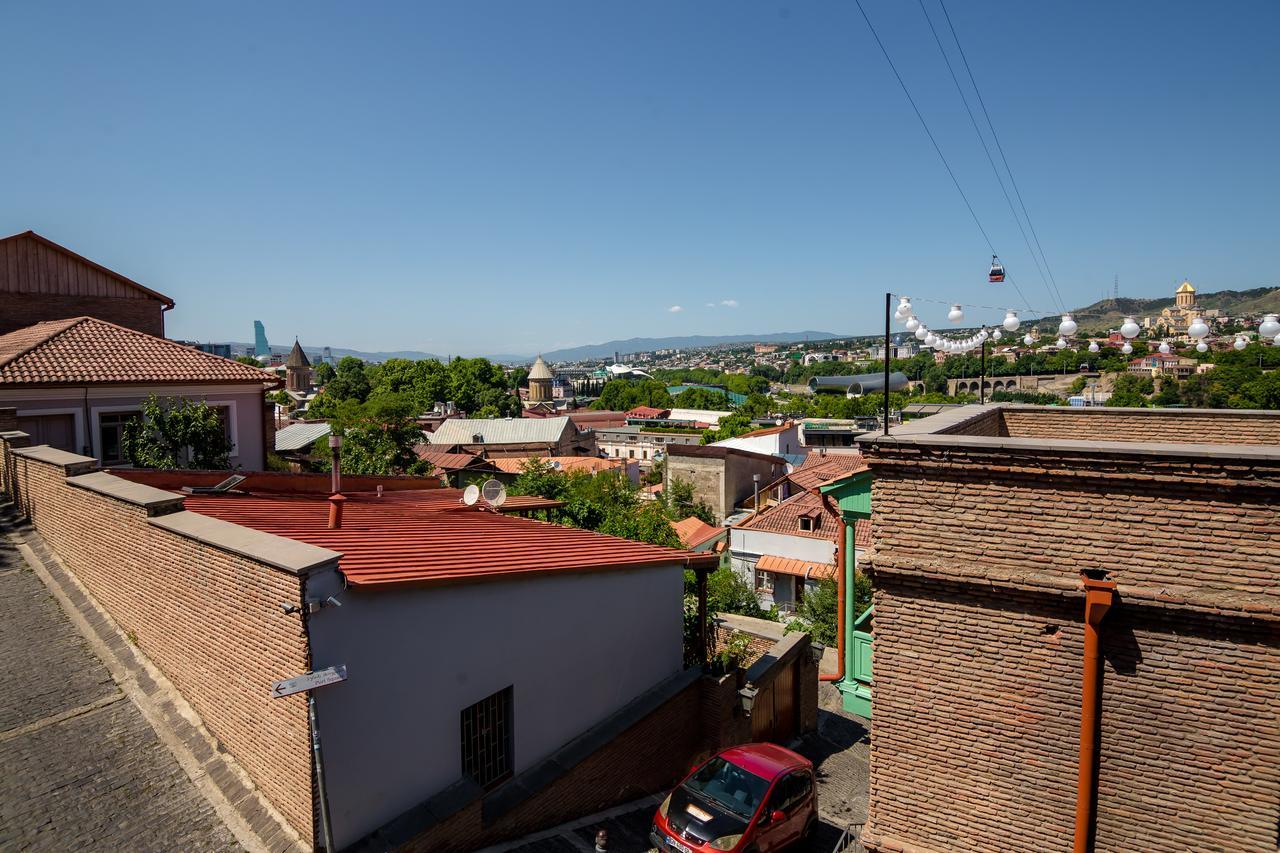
(777, 815)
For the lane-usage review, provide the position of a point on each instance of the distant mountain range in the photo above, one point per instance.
(1233, 303)
(630, 345)
(582, 353)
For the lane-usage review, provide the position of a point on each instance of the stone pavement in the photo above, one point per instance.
(97, 754)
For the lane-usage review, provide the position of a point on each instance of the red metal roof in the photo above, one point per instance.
(693, 531)
(86, 350)
(429, 537)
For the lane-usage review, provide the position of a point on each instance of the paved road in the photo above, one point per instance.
(839, 750)
(82, 768)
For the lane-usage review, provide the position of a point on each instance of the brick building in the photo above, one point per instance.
(40, 280)
(1076, 637)
(227, 594)
(722, 477)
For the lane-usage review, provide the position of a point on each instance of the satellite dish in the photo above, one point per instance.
(471, 494)
(494, 493)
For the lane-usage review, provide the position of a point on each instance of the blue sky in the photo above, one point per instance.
(516, 176)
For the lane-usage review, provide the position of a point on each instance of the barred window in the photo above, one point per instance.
(486, 739)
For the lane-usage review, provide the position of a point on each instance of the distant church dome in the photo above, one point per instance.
(540, 370)
(1186, 287)
(297, 358)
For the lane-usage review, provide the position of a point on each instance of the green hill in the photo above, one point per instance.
(1232, 303)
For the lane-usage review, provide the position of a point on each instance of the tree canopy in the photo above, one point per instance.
(177, 433)
(477, 385)
(378, 438)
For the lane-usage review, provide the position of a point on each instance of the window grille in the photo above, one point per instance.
(487, 739)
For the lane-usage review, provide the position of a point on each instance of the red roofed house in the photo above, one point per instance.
(696, 535)
(501, 674)
(76, 382)
(40, 280)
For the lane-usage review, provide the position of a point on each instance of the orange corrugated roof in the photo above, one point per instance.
(429, 537)
(86, 350)
(590, 464)
(693, 531)
(792, 566)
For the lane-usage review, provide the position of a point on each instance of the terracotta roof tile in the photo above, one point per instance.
(446, 461)
(590, 464)
(86, 350)
(428, 537)
(785, 518)
(792, 566)
(818, 469)
(693, 531)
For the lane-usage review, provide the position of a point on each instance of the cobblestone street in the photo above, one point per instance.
(82, 768)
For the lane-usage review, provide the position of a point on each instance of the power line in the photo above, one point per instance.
(936, 147)
(1000, 148)
(987, 150)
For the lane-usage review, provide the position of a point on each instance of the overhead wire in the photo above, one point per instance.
(1000, 148)
(987, 150)
(934, 141)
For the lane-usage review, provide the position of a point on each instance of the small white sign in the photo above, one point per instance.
(310, 681)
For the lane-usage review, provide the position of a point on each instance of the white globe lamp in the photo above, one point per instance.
(1199, 329)
(956, 314)
(1164, 347)
(1127, 349)
(1028, 339)
(1093, 346)
(1270, 326)
(1067, 327)
(921, 333)
(904, 308)
(1130, 328)
(1011, 321)
(1240, 343)
(1202, 347)
(995, 334)
(912, 323)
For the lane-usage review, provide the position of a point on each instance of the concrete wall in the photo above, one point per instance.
(722, 483)
(787, 441)
(86, 408)
(417, 657)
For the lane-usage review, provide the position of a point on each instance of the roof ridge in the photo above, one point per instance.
(70, 323)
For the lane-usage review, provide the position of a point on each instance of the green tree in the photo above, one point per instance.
(249, 360)
(378, 439)
(702, 398)
(621, 395)
(679, 503)
(1170, 393)
(730, 426)
(177, 433)
(323, 373)
(349, 382)
(727, 592)
(1131, 390)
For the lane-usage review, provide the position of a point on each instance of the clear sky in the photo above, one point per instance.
(479, 177)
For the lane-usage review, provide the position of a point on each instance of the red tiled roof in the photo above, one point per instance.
(428, 537)
(86, 350)
(444, 460)
(792, 566)
(785, 518)
(693, 531)
(862, 533)
(647, 412)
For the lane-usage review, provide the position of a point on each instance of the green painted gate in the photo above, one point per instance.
(853, 495)
(857, 695)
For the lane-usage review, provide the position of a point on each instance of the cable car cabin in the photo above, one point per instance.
(997, 271)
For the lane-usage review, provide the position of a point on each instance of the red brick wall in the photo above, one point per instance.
(979, 641)
(1189, 426)
(988, 423)
(209, 619)
(25, 309)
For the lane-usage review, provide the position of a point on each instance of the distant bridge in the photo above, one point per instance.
(1044, 382)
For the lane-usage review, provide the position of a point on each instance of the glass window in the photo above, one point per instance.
(733, 787)
(111, 435)
(764, 581)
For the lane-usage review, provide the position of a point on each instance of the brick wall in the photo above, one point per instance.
(25, 309)
(209, 619)
(978, 645)
(1159, 425)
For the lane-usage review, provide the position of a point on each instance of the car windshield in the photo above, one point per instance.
(731, 786)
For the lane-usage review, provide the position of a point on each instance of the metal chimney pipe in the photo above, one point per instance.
(335, 470)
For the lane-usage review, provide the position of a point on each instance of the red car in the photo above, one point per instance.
(755, 798)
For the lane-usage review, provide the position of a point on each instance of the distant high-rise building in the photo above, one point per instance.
(260, 345)
(327, 356)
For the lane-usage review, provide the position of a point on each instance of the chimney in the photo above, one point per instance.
(335, 470)
(335, 511)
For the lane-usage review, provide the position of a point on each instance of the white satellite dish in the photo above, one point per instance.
(494, 493)
(471, 494)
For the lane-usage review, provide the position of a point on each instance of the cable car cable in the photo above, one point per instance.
(936, 147)
(1017, 192)
(987, 150)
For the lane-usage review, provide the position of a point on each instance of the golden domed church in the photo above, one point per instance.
(1175, 319)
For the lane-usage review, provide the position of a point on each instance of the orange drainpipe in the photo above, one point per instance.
(1098, 598)
(838, 675)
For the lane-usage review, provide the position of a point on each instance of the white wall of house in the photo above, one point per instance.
(83, 408)
(747, 546)
(575, 648)
(787, 441)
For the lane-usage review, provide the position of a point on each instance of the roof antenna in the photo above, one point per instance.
(494, 493)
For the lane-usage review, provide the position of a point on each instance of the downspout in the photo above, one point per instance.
(1098, 597)
(838, 675)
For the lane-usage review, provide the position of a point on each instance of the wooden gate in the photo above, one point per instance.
(776, 710)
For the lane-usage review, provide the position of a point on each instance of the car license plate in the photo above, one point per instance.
(676, 845)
